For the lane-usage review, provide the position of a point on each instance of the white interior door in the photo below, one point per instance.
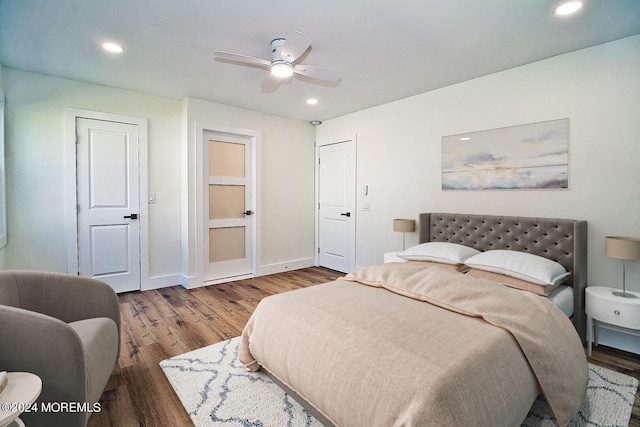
(336, 204)
(108, 202)
(228, 205)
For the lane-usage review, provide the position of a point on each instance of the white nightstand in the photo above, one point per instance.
(393, 257)
(618, 313)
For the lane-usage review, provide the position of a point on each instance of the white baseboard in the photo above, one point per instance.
(265, 270)
(190, 282)
(225, 280)
(159, 282)
(281, 267)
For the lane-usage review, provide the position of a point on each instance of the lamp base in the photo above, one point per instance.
(624, 294)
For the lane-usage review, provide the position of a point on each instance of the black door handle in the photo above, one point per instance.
(247, 213)
(132, 216)
(347, 214)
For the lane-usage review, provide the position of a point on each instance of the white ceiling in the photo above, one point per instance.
(386, 50)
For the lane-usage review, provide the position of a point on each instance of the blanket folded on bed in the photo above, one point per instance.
(545, 335)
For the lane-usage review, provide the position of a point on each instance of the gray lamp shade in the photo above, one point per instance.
(404, 225)
(622, 247)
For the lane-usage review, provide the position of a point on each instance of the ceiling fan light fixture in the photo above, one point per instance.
(282, 69)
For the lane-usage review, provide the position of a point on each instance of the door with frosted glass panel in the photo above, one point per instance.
(228, 205)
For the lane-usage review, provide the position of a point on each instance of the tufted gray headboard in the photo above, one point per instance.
(562, 240)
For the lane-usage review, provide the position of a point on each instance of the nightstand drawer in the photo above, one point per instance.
(601, 305)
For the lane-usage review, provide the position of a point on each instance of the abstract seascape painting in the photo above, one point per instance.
(531, 156)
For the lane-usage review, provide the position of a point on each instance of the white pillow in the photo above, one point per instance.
(521, 265)
(444, 252)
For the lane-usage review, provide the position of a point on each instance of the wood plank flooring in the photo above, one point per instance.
(167, 322)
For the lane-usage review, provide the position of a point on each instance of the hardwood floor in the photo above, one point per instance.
(167, 322)
(162, 323)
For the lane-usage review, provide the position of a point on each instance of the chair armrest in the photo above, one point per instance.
(48, 347)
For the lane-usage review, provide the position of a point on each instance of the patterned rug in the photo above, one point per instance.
(215, 391)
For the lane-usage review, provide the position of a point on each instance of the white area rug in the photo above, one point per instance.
(215, 391)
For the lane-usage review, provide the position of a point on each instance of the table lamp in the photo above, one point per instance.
(404, 226)
(624, 248)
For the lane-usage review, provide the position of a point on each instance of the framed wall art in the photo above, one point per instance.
(530, 156)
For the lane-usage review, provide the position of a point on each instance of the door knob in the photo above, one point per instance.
(132, 216)
(247, 213)
(347, 214)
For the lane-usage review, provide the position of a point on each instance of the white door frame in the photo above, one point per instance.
(319, 144)
(202, 220)
(71, 199)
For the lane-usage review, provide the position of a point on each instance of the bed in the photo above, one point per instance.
(417, 344)
(562, 240)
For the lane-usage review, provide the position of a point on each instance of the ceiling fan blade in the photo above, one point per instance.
(295, 45)
(271, 83)
(238, 57)
(318, 73)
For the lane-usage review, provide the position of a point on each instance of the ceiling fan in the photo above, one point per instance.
(284, 54)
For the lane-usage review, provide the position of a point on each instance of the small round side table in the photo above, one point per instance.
(21, 392)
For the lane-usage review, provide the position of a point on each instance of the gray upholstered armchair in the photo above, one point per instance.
(66, 330)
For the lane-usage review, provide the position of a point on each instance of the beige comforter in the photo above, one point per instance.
(388, 346)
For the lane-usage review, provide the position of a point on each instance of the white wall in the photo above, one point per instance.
(35, 135)
(598, 89)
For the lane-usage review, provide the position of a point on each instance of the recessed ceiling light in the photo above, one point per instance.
(112, 47)
(312, 101)
(465, 138)
(567, 8)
